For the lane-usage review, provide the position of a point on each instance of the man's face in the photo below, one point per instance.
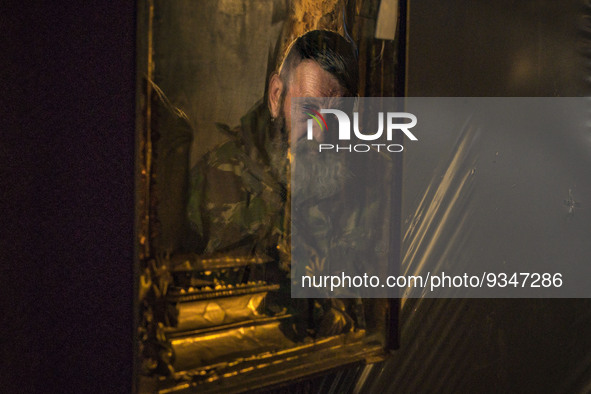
(308, 79)
(317, 176)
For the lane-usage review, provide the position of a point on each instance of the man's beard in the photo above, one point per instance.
(316, 175)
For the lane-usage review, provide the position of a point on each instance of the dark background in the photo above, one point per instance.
(67, 182)
(67, 190)
(502, 48)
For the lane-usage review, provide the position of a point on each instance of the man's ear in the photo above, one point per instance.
(275, 91)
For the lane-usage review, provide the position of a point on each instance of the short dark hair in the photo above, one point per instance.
(331, 51)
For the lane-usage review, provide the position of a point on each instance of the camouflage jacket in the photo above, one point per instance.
(237, 199)
(240, 203)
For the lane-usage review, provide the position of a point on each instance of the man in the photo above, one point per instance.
(239, 191)
(240, 201)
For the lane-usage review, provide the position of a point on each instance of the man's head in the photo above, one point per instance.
(318, 64)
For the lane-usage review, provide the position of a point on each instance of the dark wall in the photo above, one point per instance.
(501, 48)
(66, 199)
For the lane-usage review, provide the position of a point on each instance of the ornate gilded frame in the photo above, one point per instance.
(160, 304)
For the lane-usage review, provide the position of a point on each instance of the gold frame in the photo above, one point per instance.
(158, 307)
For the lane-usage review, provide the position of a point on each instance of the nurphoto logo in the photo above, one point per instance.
(345, 130)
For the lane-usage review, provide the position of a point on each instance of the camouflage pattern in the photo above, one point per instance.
(346, 230)
(240, 204)
(237, 197)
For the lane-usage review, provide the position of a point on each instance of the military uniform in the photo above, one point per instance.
(240, 204)
(237, 196)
